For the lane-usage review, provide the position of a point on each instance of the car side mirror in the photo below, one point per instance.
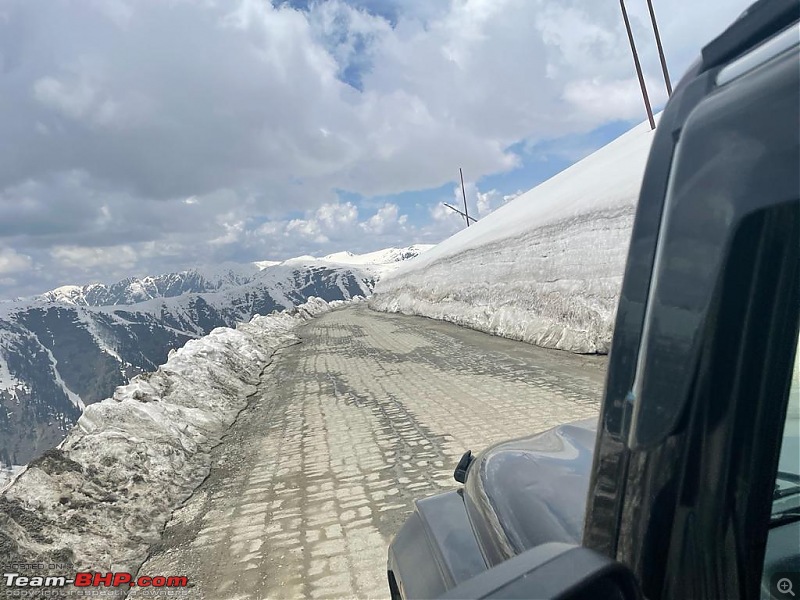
(554, 571)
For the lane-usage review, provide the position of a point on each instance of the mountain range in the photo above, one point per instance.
(72, 346)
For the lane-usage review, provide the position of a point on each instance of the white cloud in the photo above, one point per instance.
(123, 256)
(333, 217)
(267, 106)
(609, 100)
(490, 201)
(119, 12)
(79, 100)
(73, 101)
(12, 262)
(308, 229)
(439, 212)
(339, 226)
(479, 204)
(388, 219)
(206, 125)
(348, 34)
(233, 232)
(333, 221)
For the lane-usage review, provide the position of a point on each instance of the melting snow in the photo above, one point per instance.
(132, 459)
(8, 474)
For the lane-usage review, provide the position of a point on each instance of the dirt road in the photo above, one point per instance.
(366, 413)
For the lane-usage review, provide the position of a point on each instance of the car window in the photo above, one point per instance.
(781, 557)
(786, 498)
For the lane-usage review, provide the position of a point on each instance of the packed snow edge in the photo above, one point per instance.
(546, 268)
(100, 499)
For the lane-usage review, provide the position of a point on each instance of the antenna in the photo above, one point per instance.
(464, 194)
(638, 66)
(660, 49)
(454, 209)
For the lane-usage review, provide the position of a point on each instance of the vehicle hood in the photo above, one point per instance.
(532, 490)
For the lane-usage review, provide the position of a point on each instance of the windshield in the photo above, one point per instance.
(786, 497)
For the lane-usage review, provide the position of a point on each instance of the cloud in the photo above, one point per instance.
(79, 257)
(238, 130)
(340, 223)
(610, 100)
(329, 222)
(334, 217)
(479, 204)
(490, 201)
(387, 219)
(72, 101)
(12, 262)
(174, 99)
(308, 229)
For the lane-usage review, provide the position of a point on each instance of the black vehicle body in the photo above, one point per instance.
(676, 479)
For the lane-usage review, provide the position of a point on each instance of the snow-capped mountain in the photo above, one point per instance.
(381, 261)
(133, 290)
(73, 346)
(216, 278)
(545, 268)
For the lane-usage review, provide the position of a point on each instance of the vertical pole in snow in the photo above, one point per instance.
(660, 48)
(464, 194)
(638, 66)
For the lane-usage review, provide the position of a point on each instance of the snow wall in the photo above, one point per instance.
(546, 268)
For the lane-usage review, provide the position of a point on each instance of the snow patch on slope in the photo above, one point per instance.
(545, 268)
(263, 264)
(76, 400)
(381, 262)
(8, 473)
(86, 318)
(377, 263)
(379, 257)
(69, 294)
(132, 459)
(7, 380)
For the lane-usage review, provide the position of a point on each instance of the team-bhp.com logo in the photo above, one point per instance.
(84, 580)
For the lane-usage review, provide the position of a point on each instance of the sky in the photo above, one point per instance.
(150, 136)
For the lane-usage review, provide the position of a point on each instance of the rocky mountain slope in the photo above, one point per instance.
(102, 498)
(169, 285)
(73, 346)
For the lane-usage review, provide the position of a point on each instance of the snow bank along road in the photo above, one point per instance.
(545, 268)
(366, 413)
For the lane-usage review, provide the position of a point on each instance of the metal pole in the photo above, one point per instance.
(638, 66)
(454, 209)
(464, 193)
(660, 49)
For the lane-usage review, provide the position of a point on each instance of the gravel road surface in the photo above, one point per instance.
(366, 413)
